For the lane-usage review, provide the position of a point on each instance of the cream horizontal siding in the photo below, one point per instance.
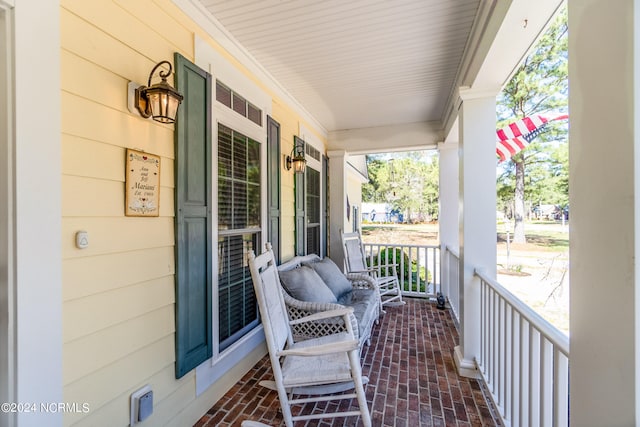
(110, 308)
(90, 353)
(122, 375)
(84, 118)
(96, 274)
(103, 198)
(85, 157)
(133, 28)
(164, 387)
(130, 52)
(117, 234)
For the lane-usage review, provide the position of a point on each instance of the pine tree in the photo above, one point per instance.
(539, 86)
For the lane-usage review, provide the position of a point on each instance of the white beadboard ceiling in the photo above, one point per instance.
(357, 63)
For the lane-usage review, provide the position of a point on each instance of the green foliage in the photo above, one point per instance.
(410, 267)
(407, 182)
(540, 173)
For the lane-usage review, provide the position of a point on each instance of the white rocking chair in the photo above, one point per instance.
(355, 262)
(321, 368)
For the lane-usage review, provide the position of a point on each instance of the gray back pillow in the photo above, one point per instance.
(305, 284)
(332, 276)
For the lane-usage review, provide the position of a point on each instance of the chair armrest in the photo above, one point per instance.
(341, 312)
(381, 266)
(361, 281)
(308, 307)
(318, 328)
(367, 271)
(318, 350)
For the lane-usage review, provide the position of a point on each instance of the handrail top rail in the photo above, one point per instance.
(453, 251)
(401, 245)
(553, 334)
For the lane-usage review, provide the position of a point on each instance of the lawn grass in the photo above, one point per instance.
(541, 235)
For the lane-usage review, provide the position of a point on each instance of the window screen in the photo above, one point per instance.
(239, 231)
(313, 210)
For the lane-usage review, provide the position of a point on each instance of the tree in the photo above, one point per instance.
(406, 181)
(539, 85)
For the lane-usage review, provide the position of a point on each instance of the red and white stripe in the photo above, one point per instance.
(510, 139)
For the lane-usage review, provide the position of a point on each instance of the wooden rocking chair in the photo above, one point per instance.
(321, 368)
(355, 262)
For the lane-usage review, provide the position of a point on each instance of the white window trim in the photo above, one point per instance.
(207, 58)
(311, 139)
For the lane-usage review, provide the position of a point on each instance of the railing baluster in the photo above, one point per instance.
(521, 387)
(542, 377)
(503, 352)
(560, 389)
(435, 272)
(512, 382)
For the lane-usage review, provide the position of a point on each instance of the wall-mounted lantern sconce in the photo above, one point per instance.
(159, 101)
(296, 158)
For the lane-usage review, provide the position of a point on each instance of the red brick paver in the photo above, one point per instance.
(412, 380)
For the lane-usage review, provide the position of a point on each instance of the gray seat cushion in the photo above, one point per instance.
(332, 276)
(361, 300)
(304, 284)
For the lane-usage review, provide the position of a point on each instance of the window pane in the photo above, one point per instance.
(237, 305)
(225, 204)
(239, 105)
(223, 94)
(239, 205)
(253, 208)
(313, 195)
(224, 151)
(254, 114)
(253, 161)
(238, 209)
(239, 156)
(313, 240)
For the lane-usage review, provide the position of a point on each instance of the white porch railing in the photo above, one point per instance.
(524, 360)
(450, 279)
(418, 269)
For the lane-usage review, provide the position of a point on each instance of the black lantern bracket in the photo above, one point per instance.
(296, 159)
(159, 101)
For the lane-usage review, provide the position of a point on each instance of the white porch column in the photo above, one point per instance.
(337, 203)
(477, 215)
(32, 259)
(448, 196)
(604, 192)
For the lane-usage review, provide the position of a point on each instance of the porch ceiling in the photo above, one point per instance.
(371, 63)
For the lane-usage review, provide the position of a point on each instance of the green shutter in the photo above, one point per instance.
(301, 221)
(273, 185)
(193, 217)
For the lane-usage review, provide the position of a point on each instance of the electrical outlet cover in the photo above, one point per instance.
(138, 401)
(146, 406)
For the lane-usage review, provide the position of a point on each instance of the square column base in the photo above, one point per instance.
(466, 368)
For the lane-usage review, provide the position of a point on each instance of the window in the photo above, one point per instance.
(310, 193)
(313, 211)
(237, 111)
(237, 103)
(239, 228)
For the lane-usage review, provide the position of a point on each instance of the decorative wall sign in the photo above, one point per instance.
(142, 181)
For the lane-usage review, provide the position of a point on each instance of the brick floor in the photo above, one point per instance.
(412, 380)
